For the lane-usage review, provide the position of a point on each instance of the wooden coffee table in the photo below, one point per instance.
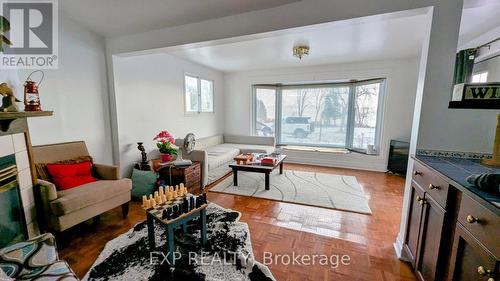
(258, 168)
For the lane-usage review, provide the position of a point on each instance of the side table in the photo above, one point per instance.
(189, 175)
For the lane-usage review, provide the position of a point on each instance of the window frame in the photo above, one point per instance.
(350, 114)
(198, 80)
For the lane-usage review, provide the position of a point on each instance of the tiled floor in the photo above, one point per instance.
(285, 229)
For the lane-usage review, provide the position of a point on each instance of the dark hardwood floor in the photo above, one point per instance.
(283, 228)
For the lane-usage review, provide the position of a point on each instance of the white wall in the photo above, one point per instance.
(150, 98)
(76, 92)
(397, 118)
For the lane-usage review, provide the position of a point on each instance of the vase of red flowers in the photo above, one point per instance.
(164, 141)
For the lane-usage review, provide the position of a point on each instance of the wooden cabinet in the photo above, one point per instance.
(426, 221)
(470, 260)
(190, 176)
(429, 255)
(415, 211)
(451, 234)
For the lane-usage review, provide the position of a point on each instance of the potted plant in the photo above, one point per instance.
(4, 27)
(164, 141)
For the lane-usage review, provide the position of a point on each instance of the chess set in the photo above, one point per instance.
(170, 203)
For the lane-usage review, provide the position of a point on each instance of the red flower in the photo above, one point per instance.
(164, 135)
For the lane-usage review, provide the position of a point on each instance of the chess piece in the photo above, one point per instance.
(144, 199)
(202, 197)
(191, 203)
(164, 215)
(185, 205)
(160, 191)
(153, 203)
(169, 213)
(198, 201)
(175, 212)
(164, 199)
(181, 187)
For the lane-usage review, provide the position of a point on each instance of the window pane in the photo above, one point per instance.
(314, 116)
(265, 110)
(191, 93)
(480, 77)
(207, 96)
(365, 114)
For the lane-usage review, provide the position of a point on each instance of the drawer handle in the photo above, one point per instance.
(472, 219)
(483, 271)
(417, 173)
(431, 186)
(421, 200)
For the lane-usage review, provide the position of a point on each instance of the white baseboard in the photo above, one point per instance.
(398, 248)
(345, 163)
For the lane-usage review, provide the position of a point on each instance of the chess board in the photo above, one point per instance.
(157, 211)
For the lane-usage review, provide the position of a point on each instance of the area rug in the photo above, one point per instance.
(315, 189)
(227, 256)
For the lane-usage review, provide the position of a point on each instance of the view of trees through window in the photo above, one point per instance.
(199, 94)
(332, 115)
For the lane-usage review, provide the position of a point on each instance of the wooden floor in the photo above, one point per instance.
(283, 228)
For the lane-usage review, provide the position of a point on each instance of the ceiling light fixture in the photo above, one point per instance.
(300, 51)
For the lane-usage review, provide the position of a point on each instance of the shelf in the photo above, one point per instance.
(476, 104)
(6, 118)
(23, 114)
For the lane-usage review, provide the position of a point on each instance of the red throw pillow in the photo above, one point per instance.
(66, 176)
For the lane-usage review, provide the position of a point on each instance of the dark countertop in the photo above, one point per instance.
(456, 171)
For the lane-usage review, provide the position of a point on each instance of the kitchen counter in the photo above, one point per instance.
(456, 171)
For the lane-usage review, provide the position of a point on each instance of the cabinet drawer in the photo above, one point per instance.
(431, 182)
(481, 222)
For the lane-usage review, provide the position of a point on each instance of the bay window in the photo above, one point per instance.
(340, 115)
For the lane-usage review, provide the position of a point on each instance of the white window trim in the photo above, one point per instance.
(349, 134)
(198, 78)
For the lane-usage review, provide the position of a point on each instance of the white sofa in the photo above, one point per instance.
(217, 152)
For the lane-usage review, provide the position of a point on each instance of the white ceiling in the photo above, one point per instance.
(339, 42)
(478, 17)
(390, 36)
(118, 17)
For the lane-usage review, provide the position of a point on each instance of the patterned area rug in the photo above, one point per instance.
(314, 189)
(227, 256)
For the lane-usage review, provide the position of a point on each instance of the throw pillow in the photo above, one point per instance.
(41, 168)
(66, 176)
(143, 183)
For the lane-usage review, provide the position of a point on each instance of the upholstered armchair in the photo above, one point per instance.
(63, 209)
(35, 259)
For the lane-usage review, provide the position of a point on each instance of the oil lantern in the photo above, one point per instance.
(31, 95)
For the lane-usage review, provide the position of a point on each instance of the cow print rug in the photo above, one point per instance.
(227, 256)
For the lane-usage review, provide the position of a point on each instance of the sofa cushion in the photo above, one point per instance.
(80, 197)
(43, 173)
(251, 148)
(66, 176)
(207, 142)
(220, 154)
